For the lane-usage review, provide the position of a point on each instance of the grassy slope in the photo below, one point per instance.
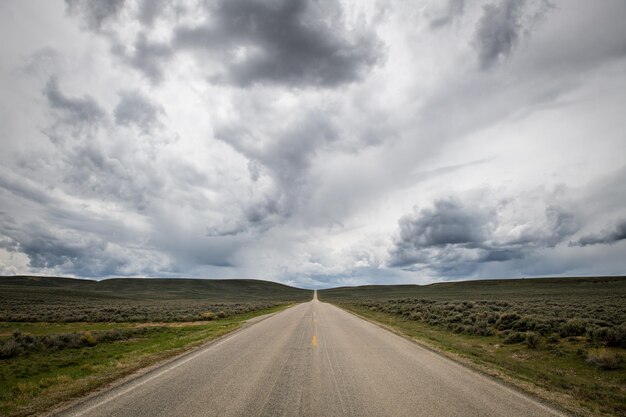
(238, 290)
(557, 372)
(485, 289)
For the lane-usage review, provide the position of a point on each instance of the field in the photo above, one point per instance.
(564, 339)
(60, 337)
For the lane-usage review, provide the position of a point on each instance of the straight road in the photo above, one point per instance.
(313, 359)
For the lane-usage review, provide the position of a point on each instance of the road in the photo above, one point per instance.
(313, 359)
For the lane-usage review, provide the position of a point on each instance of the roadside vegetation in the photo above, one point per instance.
(61, 338)
(564, 336)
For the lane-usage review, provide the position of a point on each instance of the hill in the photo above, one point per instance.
(570, 287)
(223, 290)
(53, 299)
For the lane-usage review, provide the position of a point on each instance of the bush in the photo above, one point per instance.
(506, 320)
(573, 327)
(9, 349)
(514, 337)
(221, 314)
(88, 339)
(531, 340)
(208, 315)
(605, 359)
(616, 336)
(481, 328)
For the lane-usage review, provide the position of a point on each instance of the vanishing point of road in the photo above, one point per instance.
(313, 359)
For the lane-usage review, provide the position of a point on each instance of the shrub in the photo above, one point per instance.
(221, 314)
(514, 337)
(573, 327)
(480, 328)
(71, 340)
(506, 320)
(616, 336)
(605, 359)
(88, 339)
(9, 349)
(553, 339)
(208, 315)
(531, 340)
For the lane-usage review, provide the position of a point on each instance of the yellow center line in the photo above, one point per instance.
(314, 341)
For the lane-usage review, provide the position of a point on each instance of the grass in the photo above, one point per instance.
(563, 339)
(36, 381)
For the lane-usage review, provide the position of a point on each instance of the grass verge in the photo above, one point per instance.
(561, 372)
(37, 381)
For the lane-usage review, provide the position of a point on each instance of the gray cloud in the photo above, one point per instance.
(606, 237)
(292, 42)
(453, 238)
(70, 243)
(498, 31)
(503, 24)
(90, 162)
(447, 224)
(147, 56)
(561, 224)
(149, 10)
(277, 42)
(135, 109)
(453, 9)
(78, 112)
(282, 153)
(94, 14)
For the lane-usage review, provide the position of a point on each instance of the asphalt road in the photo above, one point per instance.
(313, 359)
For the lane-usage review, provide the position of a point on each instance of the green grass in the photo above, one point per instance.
(42, 328)
(488, 323)
(36, 381)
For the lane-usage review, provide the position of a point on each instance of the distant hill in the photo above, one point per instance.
(214, 290)
(485, 289)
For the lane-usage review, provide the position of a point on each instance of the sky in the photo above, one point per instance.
(316, 143)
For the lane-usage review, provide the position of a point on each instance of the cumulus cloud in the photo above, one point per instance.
(94, 14)
(295, 43)
(502, 25)
(454, 237)
(135, 109)
(286, 42)
(76, 111)
(149, 57)
(453, 9)
(606, 237)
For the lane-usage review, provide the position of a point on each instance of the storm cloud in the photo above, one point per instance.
(313, 143)
(453, 9)
(77, 111)
(503, 24)
(608, 237)
(134, 109)
(293, 42)
(456, 236)
(94, 14)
